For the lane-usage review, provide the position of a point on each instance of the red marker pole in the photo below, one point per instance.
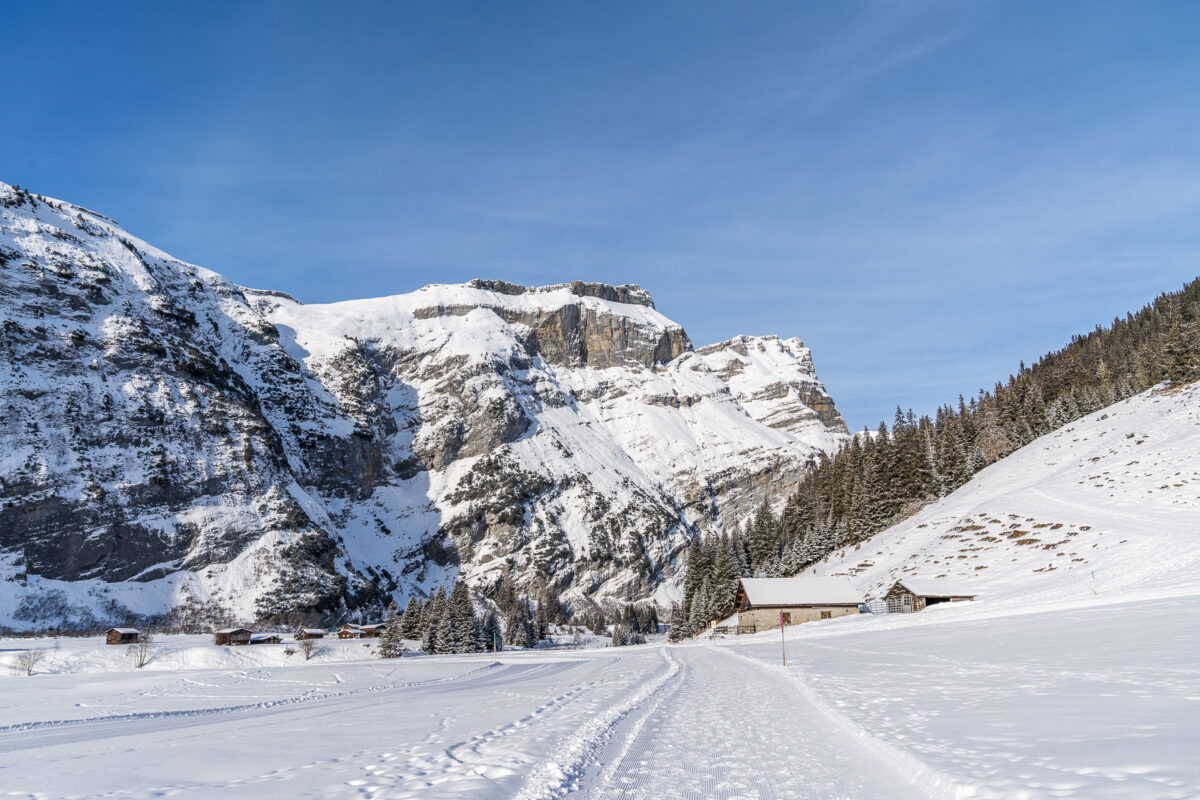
(782, 640)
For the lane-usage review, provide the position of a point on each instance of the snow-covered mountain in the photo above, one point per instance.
(1108, 504)
(172, 439)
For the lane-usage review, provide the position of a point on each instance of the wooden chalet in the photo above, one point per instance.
(908, 595)
(310, 633)
(232, 636)
(266, 638)
(349, 631)
(373, 631)
(766, 603)
(122, 636)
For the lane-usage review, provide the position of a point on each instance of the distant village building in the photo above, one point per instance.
(310, 633)
(232, 636)
(349, 631)
(373, 631)
(265, 638)
(914, 594)
(122, 636)
(765, 603)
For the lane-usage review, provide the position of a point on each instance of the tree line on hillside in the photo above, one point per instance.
(880, 478)
(447, 622)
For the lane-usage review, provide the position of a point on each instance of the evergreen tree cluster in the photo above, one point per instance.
(879, 479)
(447, 623)
(712, 567)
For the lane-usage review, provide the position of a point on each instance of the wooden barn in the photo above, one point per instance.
(349, 631)
(232, 636)
(373, 631)
(266, 638)
(310, 633)
(914, 594)
(765, 603)
(122, 636)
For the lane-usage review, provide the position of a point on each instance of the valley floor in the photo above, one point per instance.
(1093, 699)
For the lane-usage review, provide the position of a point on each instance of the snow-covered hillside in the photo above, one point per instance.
(172, 439)
(1115, 494)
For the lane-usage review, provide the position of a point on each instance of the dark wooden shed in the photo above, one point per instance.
(266, 638)
(310, 633)
(909, 595)
(122, 636)
(349, 631)
(373, 631)
(233, 636)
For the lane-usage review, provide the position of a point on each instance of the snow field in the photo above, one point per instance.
(1096, 699)
(1085, 699)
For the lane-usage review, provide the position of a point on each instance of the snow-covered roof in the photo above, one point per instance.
(805, 590)
(936, 587)
(124, 630)
(235, 630)
(312, 630)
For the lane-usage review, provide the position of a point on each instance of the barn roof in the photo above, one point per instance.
(235, 630)
(936, 587)
(312, 630)
(123, 630)
(805, 590)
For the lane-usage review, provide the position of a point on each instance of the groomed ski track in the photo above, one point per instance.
(692, 721)
(728, 726)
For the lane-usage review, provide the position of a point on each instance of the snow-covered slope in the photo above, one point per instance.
(1115, 494)
(169, 438)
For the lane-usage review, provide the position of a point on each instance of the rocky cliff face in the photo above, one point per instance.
(172, 439)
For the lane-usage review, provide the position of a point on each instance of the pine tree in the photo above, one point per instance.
(429, 643)
(447, 639)
(391, 645)
(410, 620)
(462, 615)
(541, 621)
(490, 633)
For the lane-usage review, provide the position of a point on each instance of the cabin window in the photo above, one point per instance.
(826, 615)
(786, 617)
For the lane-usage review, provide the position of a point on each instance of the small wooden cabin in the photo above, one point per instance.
(373, 631)
(908, 595)
(265, 638)
(765, 603)
(122, 636)
(349, 631)
(232, 636)
(310, 633)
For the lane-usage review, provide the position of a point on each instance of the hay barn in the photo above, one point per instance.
(909, 595)
(232, 636)
(122, 636)
(765, 603)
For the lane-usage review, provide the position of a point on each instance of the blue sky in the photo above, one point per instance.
(926, 193)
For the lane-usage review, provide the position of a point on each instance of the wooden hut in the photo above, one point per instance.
(266, 638)
(908, 595)
(122, 636)
(232, 636)
(310, 633)
(349, 631)
(373, 631)
(765, 603)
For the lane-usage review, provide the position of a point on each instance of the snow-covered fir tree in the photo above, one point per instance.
(391, 644)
